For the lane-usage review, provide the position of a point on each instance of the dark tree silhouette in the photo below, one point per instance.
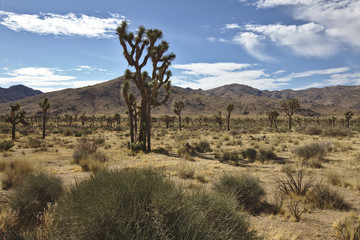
(45, 105)
(348, 116)
(290, 107)
(273, 115)
(138, 50)
(178, 107)
(15, 118)
(229, 109)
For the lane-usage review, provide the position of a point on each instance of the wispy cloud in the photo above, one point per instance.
(212, 75)
(62, 25)
(44, 79)
(252, 43)
(232, 26)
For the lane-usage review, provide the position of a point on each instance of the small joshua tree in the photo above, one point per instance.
(15, 118)
(178, 107)
(219, 120)
(273, 115)
(348, 116)
(290, 107)
(229, 109)
(45, 105)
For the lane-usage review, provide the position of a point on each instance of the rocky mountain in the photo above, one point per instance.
(105, 98)
(16, 92)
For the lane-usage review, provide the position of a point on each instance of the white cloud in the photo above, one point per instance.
(339, 18)
(44, 79)
(211, 39)
(304, 40)
(252, 43)
(212, 75)
(232, 26)
(210, 69)
(62, 25)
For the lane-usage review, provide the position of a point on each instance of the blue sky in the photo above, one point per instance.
(266, 44)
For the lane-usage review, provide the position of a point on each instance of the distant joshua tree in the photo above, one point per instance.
(117, 118)
(290, 107)
(45, 105)
(178, 107)
(219, 120)
(229, 109)
(348, 116)
(273, 115)
(15, 118)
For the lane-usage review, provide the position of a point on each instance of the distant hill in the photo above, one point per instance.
(16, 92)
(105, 98)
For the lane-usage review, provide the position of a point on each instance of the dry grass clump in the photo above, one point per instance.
(245, 188)
(348, 227)
(333, 178)
(323, 197)
(32, 198)
(15, 172)
(186, 173)
(87, 156)
(143, 204)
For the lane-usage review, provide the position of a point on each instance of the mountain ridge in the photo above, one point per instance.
(105, 98)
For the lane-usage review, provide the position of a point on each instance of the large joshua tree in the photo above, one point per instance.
(138, 50)
(45, 105)
(290, 107)
(178, 107)
(15, 118)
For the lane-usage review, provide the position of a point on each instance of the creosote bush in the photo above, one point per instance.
(203, 147)
(323, 197)
(313, 130)
(266, 154)
(144, 204)
(31, 198)
(316, 150)
(337, 132)
(6, 145)
(250, 154)
(245, 188)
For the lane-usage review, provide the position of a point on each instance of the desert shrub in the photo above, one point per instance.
(295, 182)
(348, 227)
(313, 130)
(266, 154)
(203, 147)
(250, 154)
(186, 172)
(333, 178)
(6, 145)
(313, 150)
(78, 134)
(230, 156)
(143, 204)
(161, 150)
(31, 198)
(337, 132)
(187, 151)
(296, 206)
(14, 173)
(89, 164)
(83, 149)
(314, 163)
(34, 143)
(246, 189)
(323, 197)
(99, 141)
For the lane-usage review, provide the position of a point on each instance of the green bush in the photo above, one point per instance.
(266, 154)
(250, 154)
(203, 147)
(323, 197)
(31, 198)
(6, 145)
(246, 189)
(337, 132)
(316, 150)
(313, 130)
(143, 204)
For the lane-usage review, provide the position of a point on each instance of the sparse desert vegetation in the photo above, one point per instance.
(254, 180)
